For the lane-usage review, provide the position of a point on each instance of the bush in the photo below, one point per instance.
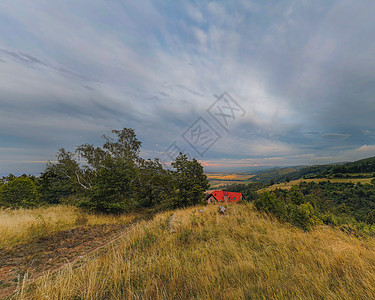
(371, 217)
(268, 202)
(301, 216)
(20, 192)
(328, 219)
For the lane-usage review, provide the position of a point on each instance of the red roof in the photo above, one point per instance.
(220, 196)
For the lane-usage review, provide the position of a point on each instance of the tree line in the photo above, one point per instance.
(112, 178)
(343, 204)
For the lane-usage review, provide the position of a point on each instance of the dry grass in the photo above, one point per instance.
(219, 179)
(24, 225)
(228, 176)
(242, 255)
(288, 185)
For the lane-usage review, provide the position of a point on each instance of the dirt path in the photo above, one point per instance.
(52, 253)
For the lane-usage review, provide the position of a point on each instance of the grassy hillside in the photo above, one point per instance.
(266, 176)
(243, 255)
(333, 170)
(288, 185)
(219, 179)
(25, 225)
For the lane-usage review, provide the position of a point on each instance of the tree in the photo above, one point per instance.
(62, 179)
(155, 184)
(103, 178)
(20, 192)
(371, 217)
(110, 172)
(6, 179)
(190, 181)
(126, 146)
(112, 188)
(295, 196)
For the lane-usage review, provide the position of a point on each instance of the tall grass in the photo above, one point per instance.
(24, 225)
(243, 255)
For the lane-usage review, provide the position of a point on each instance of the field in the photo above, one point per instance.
(288, 185)
(197, 253)
(219, 179)
(38, 240)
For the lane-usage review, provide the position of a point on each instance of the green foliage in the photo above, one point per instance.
(344, 204)
(328, 219)
(301, 215)
(248, 190)
(59, 180)
(154, 184)
(112, 188)
(19, 192)
(371, 217)
(111, 179)
(190, 181)
(295, 196)
(268, 202)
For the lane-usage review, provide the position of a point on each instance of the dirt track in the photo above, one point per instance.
(52, 253)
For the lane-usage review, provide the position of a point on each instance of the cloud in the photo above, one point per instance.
(303, 72)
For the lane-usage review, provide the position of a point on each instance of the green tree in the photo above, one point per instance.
(190, 181)
(102, 177)
(110, 172)
(62, 179)
(295, 196)
(155, 184)
(371, 217)
(112, 188)
(20, 192)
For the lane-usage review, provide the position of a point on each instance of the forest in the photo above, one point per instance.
(112, 178)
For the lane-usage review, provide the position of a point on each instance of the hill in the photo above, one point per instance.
(334, 170)
(267, 175)
(197, 253)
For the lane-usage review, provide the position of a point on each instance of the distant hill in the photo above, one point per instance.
(366, 165)
(267, 175)
(338, 169)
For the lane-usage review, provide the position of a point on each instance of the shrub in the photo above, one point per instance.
(268, 202)
(301, 216)
(328, 219)
(371, 217)
(20, 192)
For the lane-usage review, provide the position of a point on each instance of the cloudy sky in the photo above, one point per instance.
(302, 74)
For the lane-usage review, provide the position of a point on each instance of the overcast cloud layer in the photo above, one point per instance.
(304, 72)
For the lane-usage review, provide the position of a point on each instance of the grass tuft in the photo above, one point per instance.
(242, 255)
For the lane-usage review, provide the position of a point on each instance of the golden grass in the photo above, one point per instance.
(243, 255)
(23, 225)
(288, 185)
(220, 179)
(228, 176)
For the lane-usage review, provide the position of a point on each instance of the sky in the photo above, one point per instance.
(232, 83)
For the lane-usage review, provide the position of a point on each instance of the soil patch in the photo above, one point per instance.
(49, 253)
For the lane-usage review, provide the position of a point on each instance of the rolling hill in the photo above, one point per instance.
(196, 253)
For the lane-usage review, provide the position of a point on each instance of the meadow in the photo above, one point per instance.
(24, 225)
(195, 253)
(223, 179)
(288, 185)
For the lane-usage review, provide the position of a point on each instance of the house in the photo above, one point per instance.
(222, 196)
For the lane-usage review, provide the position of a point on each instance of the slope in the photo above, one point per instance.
(198, 253)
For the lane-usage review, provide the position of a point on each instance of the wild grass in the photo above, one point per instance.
(218, 179)
(288, 185)
(242, 255)
(23, 225)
